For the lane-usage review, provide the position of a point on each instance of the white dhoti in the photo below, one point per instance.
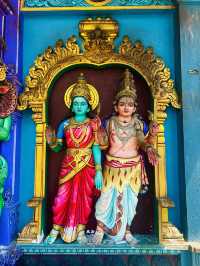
(116, 207)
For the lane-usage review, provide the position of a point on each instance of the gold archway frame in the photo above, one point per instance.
(98, 36)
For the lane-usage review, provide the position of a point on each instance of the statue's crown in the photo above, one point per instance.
(81, 88)
(127, 87)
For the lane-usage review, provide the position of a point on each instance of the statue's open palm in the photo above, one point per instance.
(50, 135)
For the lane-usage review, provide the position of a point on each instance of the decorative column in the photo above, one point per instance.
(33, 231)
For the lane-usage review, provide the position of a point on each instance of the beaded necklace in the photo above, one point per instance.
(129, 130)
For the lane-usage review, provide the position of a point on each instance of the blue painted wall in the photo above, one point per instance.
(153, 28)
(190, 65)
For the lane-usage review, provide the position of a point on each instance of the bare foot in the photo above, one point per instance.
(51, 238)
(82, 239)
(97, 238)
(130, 239)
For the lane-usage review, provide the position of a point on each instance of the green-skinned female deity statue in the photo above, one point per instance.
(124, 171)
(80, 171)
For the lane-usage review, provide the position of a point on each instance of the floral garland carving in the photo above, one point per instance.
(152, 68)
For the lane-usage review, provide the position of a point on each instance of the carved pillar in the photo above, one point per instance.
(167, 231)
(33, 232)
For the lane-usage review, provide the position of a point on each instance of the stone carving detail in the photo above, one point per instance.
(82, 3)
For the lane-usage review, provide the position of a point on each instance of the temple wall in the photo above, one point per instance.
(175, 36)
(190, 73)
(153, 28)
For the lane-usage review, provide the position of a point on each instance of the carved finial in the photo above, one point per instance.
(98, 38)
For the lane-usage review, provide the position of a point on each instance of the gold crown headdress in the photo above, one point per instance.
(127, 88)
(82, 89)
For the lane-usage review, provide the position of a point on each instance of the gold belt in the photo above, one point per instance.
(123, 160)
(79, 151)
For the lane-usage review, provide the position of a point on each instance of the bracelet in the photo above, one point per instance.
(53, 145)
(98, 167)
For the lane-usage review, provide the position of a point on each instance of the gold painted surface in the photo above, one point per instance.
(102, 3)
(170, 234)
(98, 36)
(2, 72)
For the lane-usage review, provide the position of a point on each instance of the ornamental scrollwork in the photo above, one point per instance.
(98, 42)
(87, 3)
(43, 63)
(153, 68)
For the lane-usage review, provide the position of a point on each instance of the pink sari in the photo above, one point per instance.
(74, 200)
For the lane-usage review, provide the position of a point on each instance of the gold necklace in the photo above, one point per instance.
(77, 141)
(74, 123)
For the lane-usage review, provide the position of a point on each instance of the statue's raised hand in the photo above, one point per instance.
(50, 135)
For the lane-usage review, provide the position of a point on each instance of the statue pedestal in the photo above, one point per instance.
(119, 255)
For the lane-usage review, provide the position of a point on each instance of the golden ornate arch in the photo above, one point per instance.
(99, 50)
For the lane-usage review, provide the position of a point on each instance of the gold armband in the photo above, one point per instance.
(98, 167)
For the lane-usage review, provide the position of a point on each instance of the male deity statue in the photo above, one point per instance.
(80, 170)
(124, 171)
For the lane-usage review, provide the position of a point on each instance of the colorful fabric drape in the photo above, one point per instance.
(74, 200)
(116, 207)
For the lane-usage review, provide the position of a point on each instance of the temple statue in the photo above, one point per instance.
(124, 170)
(80, 171)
